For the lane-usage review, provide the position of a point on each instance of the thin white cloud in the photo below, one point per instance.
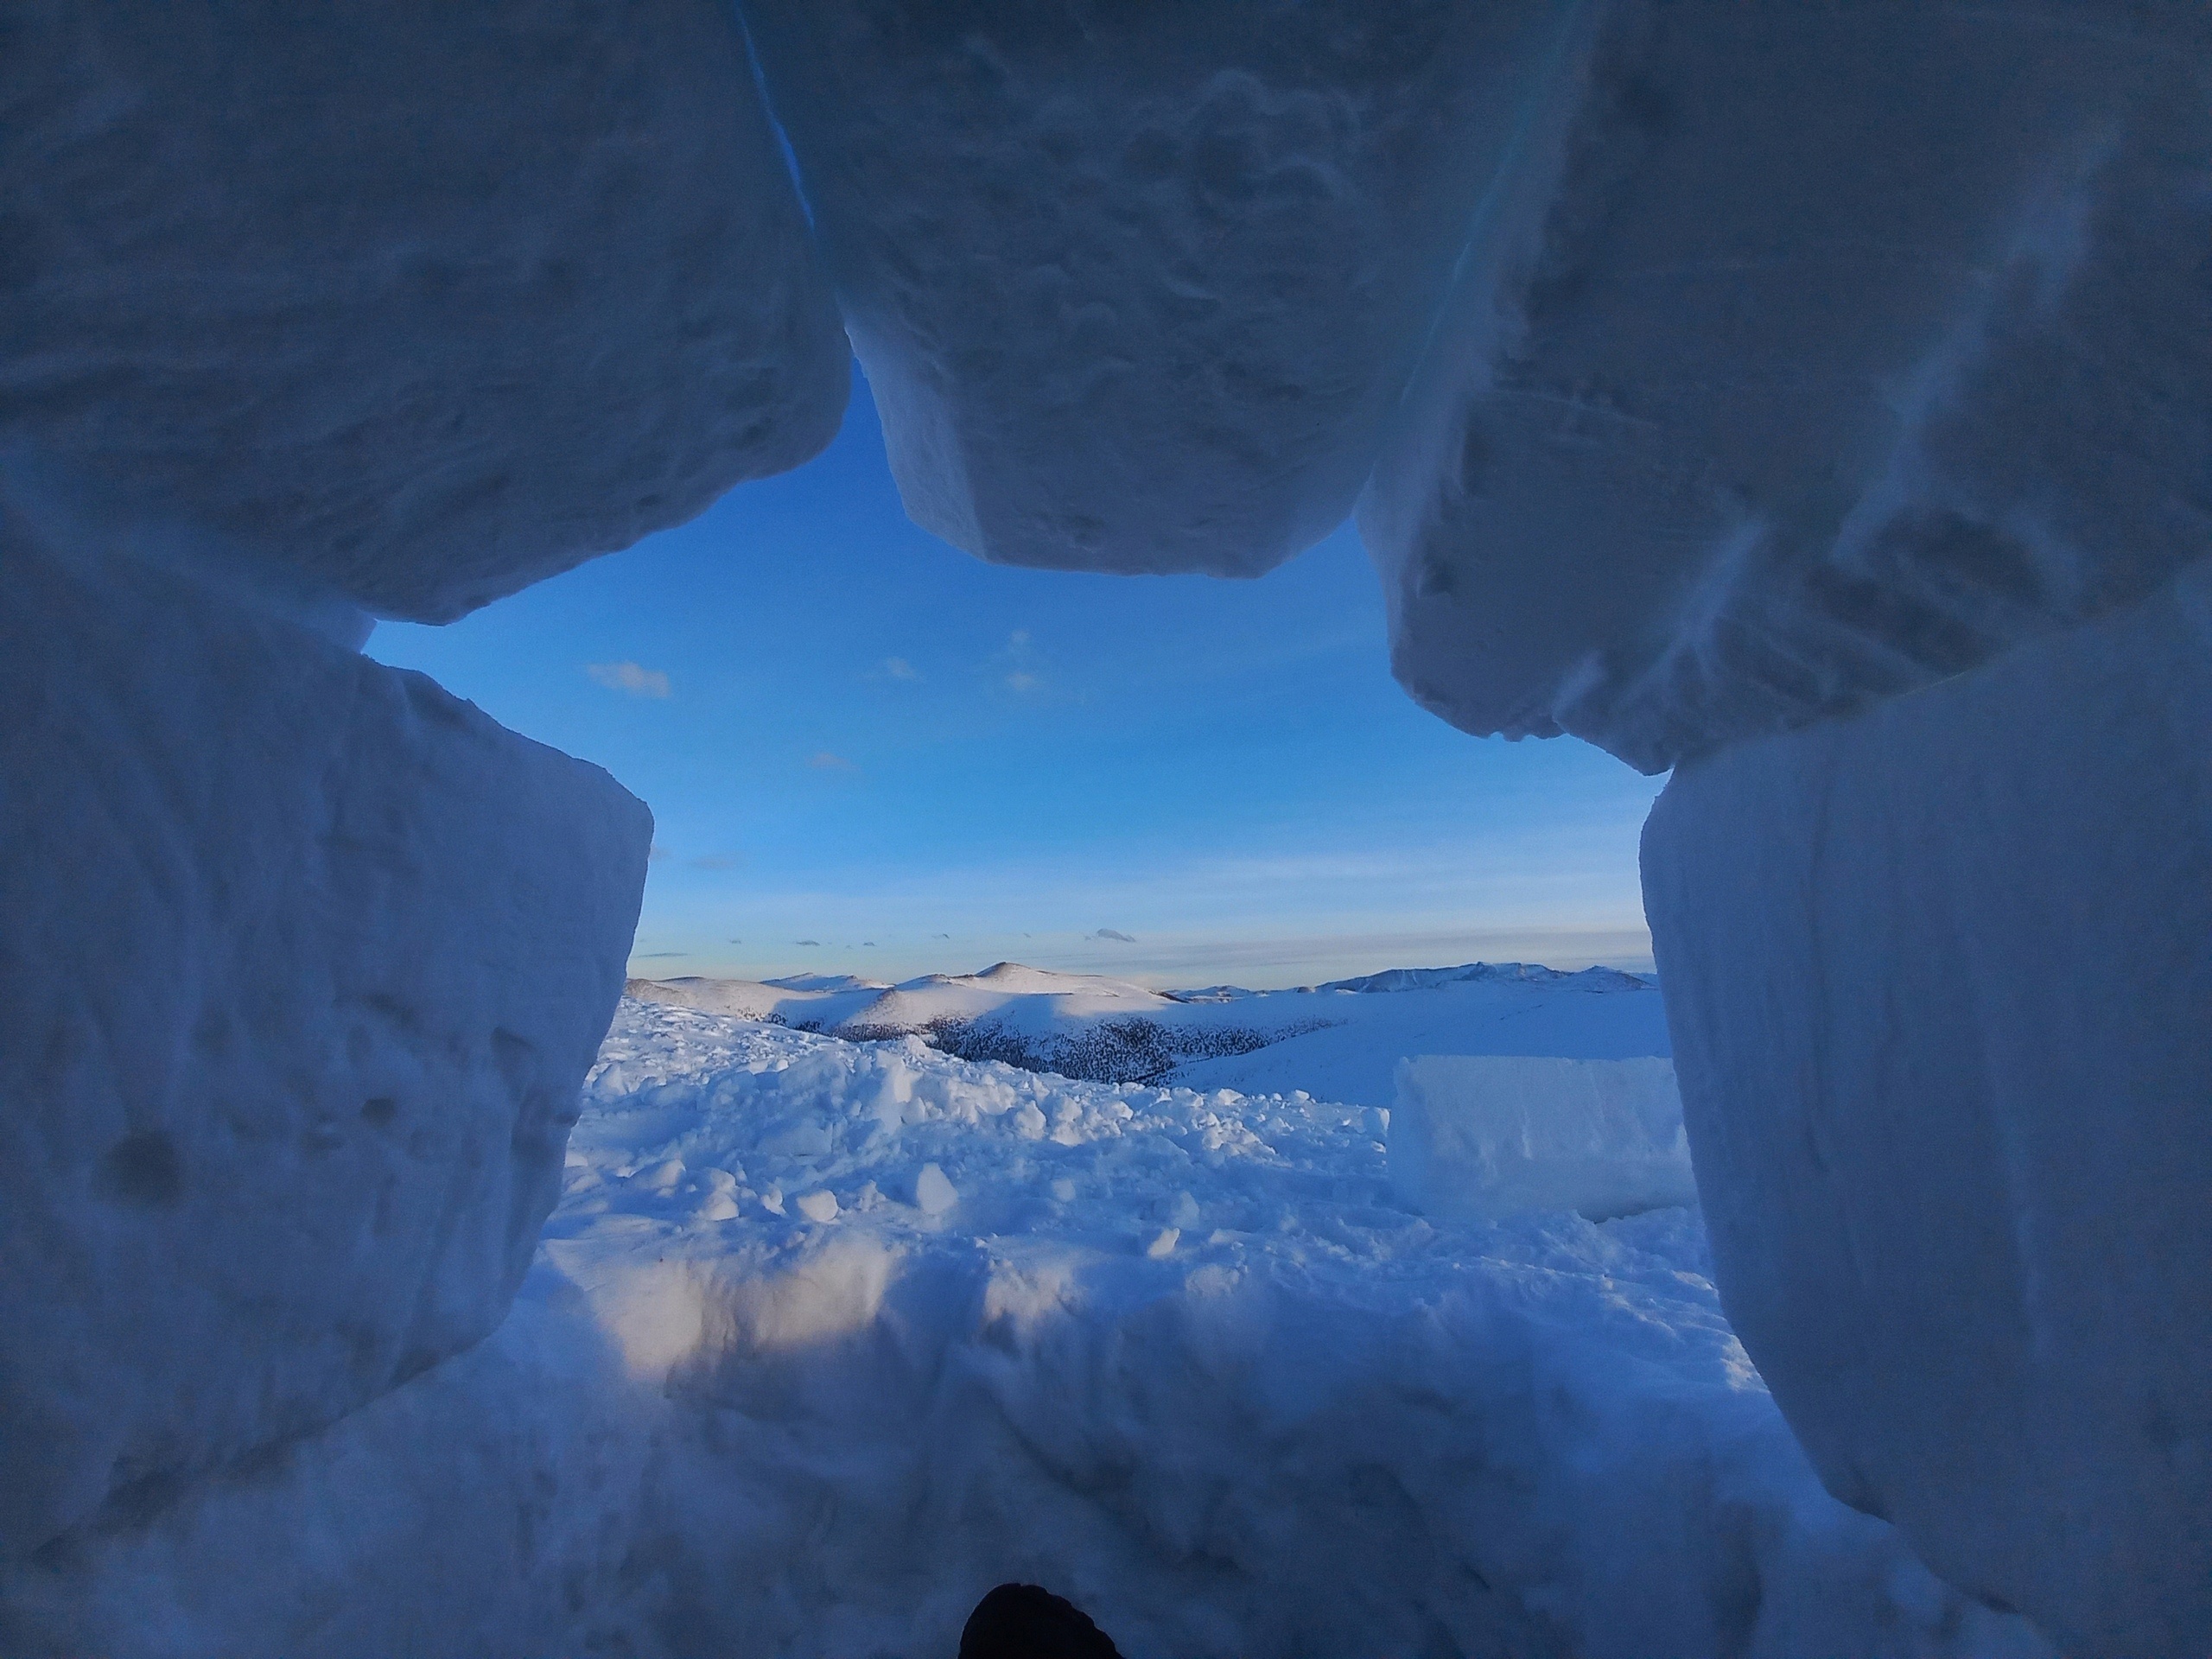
(638, 682)
(718, 861)
(900, 669)
(1024, 667)
(822, 760)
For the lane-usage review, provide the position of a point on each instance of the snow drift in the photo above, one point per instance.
(1479, 1138)
(304, 962)
(1941, 985)
(827, 1339)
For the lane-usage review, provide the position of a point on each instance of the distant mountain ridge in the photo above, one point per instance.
(1338, 1041)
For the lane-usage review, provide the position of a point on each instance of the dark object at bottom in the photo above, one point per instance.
(1024, 1621)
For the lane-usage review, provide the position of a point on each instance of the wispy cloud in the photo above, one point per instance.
(811, 944)
(1114, 933)
(637, 681)
(1024, 670)
(822, 760)
(718, 862)
(650, 955)
(899, 667)
(655, 854)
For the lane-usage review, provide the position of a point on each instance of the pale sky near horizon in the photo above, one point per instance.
(867, 752)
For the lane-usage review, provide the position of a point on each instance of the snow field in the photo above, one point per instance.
(825, 1338)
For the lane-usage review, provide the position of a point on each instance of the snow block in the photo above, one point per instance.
(304, 964)
(1805, 355)
(483, 287)
(1136, 287)
(1481, 1137)
(1940, 981)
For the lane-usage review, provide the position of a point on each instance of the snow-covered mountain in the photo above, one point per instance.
(1337, 1041)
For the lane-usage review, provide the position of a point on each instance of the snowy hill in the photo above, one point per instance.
(1337, 1041)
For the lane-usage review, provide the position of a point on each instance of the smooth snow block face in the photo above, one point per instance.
(1136, 287)
(1805, 355)
(303, 965)
(1481, 1137)
(1939, 980)
(411, 303)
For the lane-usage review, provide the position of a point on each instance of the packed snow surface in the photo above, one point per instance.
(304, 961)
(1137, 287)
(1940, 979)
(1339, 1041)
(1483, 1137)
(407, 304)
(826, 1338)
(1802, 355)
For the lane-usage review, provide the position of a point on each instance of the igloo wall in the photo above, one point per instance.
(390, 309)
(1940, 983)
(1708, 373)
(1137, 288)
(305, 961)
(414, 304)
(1802, 356)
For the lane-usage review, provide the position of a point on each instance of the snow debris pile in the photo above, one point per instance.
(2012, 1409)
(1479, 1138)
(827, 1339)
(305, 961)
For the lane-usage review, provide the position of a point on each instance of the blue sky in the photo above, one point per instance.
(868, 753)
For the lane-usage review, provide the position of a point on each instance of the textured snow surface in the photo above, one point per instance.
(1137, 287)
(1479, 1138)
(1804, 355)
(411, 303)
(304, 961)
(1941, 985)
(1176, 1354)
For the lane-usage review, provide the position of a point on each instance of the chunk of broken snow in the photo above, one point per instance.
(1480, 1137)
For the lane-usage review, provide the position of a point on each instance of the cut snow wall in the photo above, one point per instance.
(304, 962)
(1481, 1137)
(1804, 355)
(1940, 982)
(409, 303)
(1137, 287)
